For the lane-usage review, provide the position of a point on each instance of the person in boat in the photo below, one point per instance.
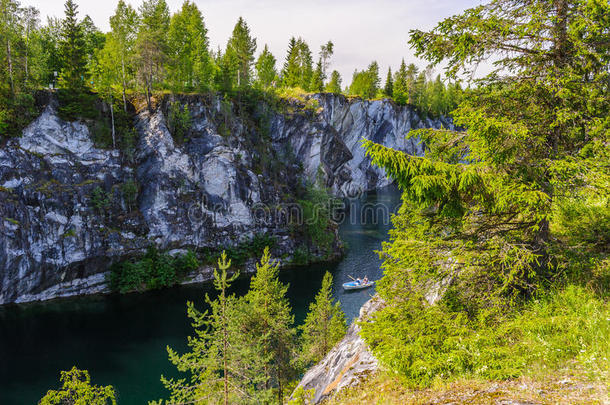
(358, 281)
(366, 280)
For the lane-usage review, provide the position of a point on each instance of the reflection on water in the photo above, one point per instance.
(121, 340)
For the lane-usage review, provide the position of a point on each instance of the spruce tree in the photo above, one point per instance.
(317, 78)
(401, 89)
(269, 325)
(240, 53)
(334, 84)
(213, 362)
(266, 73)
(324, 325)
(481, 208)
(388, 89)
(72, 50)
(297, 71)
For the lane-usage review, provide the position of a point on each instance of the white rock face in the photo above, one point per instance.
(330, 142)
(203, 193)
(346, 364)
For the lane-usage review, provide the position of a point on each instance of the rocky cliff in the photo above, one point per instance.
(66, 212)
(348, 362)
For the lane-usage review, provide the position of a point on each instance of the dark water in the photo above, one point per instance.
(121, 340)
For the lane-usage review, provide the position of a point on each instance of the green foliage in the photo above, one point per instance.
(77, 105)
(334, 84)
(77, 389)
(154, 270)
(324, 325)
(240, 253)
(214, 362)
(297, 70)
(100, 200)
(16, 114)
(510, 207)
(266, 73)
(190, 63)
(129, 190)
(179, 121)
(366, 83)
(242, 349)
(425, 343)
(317, 225)
(302, 396)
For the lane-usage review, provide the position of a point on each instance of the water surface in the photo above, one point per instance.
(121, 339)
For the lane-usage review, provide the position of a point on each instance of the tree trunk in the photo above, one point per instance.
(27, 43)
(123, 80)
(10, 65)
(225, 346)
(112, 120)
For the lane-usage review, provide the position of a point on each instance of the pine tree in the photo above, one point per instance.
(72, 50)
(324, 325)
(266, 73)
(334, 84)
(240, 51)
(388, 89)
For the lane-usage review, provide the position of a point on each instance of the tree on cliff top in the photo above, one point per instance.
(481, 209)
(72, 49)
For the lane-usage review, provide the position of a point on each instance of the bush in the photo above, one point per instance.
(179, 121)
(238, 254)
(16, 114)
(100, 200)
(153, 271)
(316, 216)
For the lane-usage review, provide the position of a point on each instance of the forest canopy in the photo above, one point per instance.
(149, 49)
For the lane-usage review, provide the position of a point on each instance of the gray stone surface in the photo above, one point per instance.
(53, 243)
(346, 364)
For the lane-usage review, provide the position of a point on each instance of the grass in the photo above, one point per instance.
(569, 326)
(553, 349)
(384, 388)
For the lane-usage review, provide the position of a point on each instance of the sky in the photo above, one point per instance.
(362, 31)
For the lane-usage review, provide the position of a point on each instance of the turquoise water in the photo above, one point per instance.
(121, 340)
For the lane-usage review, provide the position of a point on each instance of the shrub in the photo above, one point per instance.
(179, 121)
(154, 270)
